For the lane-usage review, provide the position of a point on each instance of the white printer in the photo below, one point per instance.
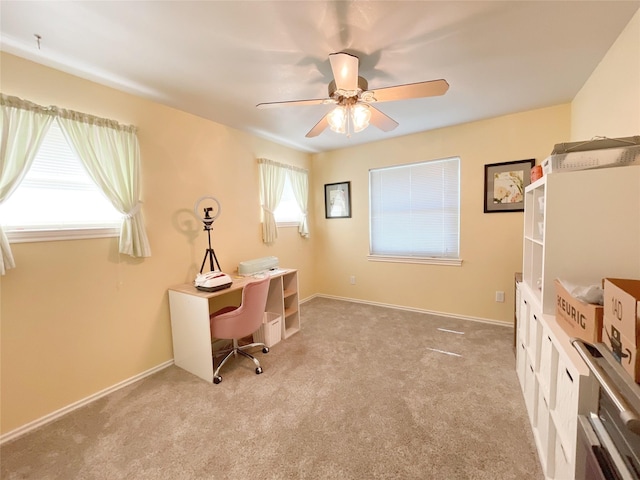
(257, 265)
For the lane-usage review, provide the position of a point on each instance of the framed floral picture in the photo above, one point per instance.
(504, 185)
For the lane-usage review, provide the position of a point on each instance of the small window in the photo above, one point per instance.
(288, 211)
(57, 194)
(414, 212)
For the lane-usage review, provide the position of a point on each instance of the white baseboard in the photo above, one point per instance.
(308, 298)
(411, 309)
(13, 434)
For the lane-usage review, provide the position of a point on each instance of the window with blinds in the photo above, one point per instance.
(57, 193)
(414, 211)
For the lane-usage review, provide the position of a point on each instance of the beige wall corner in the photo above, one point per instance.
(608, 104)
(491, 244)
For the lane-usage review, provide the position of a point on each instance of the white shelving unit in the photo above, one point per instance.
(291, 322)
(283, 300)
(534, 236)
(556, 386)
(579, 226)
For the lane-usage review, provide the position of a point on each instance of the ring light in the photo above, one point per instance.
(209, 217)
(210, 214)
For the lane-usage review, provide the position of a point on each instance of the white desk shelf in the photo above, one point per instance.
(291, 322)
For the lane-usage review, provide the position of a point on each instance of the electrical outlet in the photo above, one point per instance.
(352, 280)
(499, 296)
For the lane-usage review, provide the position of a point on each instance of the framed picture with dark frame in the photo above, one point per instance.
(504, 185)
(337, 200)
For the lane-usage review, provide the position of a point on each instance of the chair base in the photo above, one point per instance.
(234, 351)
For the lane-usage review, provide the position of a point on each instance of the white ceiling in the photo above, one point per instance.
(218, 59)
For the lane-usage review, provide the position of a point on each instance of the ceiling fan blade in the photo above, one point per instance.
(382, 121)
(319, 127)
(317, 101)
(431, 88)
(345, 70)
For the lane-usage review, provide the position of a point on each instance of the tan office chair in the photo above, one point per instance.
(233, 323)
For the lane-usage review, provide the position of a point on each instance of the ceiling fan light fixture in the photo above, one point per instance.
(349, 118)
(337, 119)
(360, 116)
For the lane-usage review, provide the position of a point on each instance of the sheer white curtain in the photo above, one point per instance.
(23, 126)
(272, 178)
(111, 154)
(300, 184)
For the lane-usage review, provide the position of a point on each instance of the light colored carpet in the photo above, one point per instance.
(361, 392)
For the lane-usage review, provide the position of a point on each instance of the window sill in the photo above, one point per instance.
(454, 262)
(287, 224)
(26, 236)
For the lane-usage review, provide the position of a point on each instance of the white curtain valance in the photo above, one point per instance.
(283, 165)
(16, 102)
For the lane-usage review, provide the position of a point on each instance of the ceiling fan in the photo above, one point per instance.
(353, 99)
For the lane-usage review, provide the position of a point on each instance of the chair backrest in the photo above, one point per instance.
(247, 318)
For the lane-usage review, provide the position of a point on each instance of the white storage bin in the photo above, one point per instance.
(562, 467)
(548, 369)
(545, 434)
(521, 364)
(270, 332)
(566, 408)
(531, 394)
(535, 335)
(523, 320)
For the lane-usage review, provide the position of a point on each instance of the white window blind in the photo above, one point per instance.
(414, 210)
(57, 193)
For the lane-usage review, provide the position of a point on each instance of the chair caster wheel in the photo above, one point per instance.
(265, 350)
(258, 370)
(217, 379)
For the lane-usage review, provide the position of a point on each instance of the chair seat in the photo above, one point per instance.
(227, 309)
(234, 323)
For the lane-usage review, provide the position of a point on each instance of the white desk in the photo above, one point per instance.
(190, 309)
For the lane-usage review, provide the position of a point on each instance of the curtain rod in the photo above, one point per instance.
(16, 102)
(282, 165)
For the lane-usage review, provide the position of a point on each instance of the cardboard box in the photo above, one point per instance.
(623, 349)
(577, 318)
(621, 329)
(621, 297)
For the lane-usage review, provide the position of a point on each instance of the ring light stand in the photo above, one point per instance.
(208, 220)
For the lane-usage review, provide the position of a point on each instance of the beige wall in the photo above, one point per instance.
(608, 104)
(77, 317)
(491, 244)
